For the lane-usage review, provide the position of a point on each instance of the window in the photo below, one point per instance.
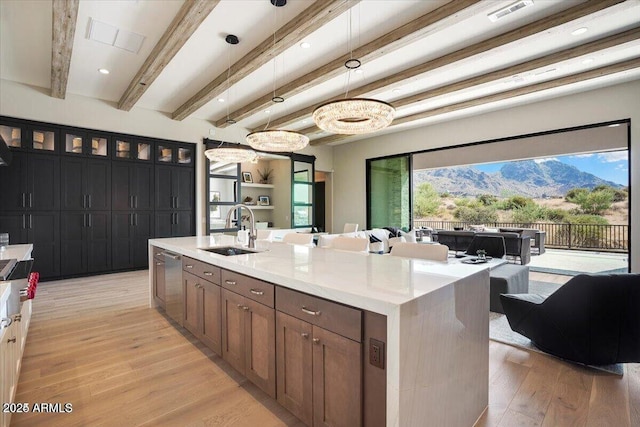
(389, 192)
(302, 194)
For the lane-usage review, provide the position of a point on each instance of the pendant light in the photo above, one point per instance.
(226, 151)
(277, 140)
(350, 116)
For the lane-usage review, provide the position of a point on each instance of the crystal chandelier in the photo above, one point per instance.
(277, 140)
(353, 116)
(230, 154)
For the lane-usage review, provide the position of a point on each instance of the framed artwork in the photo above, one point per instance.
(246, 177)
(263, 200)
(215, 198)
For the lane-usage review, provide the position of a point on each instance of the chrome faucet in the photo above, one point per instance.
(252, 222)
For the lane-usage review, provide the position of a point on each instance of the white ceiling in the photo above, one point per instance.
(25, 52)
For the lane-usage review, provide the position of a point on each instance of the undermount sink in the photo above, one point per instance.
(230, 250)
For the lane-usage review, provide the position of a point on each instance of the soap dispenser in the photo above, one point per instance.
(243, 236)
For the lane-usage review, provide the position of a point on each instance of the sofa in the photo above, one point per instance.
(538, 237)
(516, 245)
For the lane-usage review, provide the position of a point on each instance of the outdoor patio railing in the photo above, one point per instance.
(606, 238)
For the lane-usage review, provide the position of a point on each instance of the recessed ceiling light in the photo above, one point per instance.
(305, 121)
(396, 90)
(579, 31)
(587, 60)
(359, 71)
(103, 71)
(267, 111)
(305, 45)
(220, 99)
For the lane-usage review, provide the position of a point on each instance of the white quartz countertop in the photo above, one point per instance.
(379, 283)
(19, 252)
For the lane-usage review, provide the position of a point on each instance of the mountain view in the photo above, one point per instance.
(529, 178)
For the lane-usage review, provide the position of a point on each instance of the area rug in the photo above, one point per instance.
(499, 329)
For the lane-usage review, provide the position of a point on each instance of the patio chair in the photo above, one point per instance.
(592, 319)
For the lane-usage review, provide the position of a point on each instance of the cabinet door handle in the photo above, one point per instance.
(159, 263)
(208, 273)
(30, 221)
(244, 307)
(131, 220)
(305, 335)
(256, 292)
(130, 201)
(310, 312)
(30, 200)
(177, 219)
(24, 205)
(90, 219)
(230, 282)
(84, 220)
(189, 266)
(198, 286)
(89, 202)
(13, 339)
(135, 202)
(24, 221)
(316, 340)
(135, 219)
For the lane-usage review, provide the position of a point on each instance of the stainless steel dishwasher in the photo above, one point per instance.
(174, 298)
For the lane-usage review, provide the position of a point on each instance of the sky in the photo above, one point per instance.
(611, 166)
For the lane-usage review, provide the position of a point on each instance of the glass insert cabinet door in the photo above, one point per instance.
(174, 153)
(83, 143)
(389, 192)
(12, 135)
(132, 150)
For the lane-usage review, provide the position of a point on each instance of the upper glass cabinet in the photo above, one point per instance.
(27, 137)
(130, 149)
(82, 143)
(172, 153)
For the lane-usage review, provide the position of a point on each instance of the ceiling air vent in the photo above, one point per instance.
(501, 13)
(113, 36)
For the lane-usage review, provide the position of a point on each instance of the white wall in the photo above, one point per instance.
(34, 103)
(596, 106)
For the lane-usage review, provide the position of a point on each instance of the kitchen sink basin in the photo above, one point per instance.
(230, 250)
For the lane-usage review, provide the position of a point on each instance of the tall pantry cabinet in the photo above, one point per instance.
(87, 199)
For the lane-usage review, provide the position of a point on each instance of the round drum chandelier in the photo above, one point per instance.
(352, 116)
(230, 154)
(277, 140)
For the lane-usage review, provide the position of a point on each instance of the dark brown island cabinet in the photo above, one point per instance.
(302, 350)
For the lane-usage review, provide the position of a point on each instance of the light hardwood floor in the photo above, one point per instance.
(93, 342)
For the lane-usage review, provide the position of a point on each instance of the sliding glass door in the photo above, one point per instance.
(389, 192)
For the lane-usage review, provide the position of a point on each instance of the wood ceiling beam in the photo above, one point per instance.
(185, 23)
(428, 23)
(571, 53)
(65, 15)
(309, 20)
(541, 25)
(525, 90)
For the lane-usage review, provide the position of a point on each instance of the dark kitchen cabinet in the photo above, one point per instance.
(131, 232)
(174, 188)
(86, 242)
(31, 182)
(86, 184)
(42, 229)
(174, 224)
(77, 142)
(132, 186)
(174, 153)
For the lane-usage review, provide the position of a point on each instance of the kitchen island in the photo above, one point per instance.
(433, 355)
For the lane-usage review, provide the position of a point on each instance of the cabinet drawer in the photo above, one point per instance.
(334, 317)
(251, 288)
(157, 253)
(201, 269)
